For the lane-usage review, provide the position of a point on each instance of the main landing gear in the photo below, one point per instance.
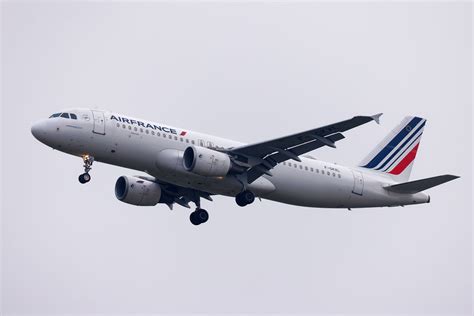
(200, 215)
(86, 177)
(244, 198)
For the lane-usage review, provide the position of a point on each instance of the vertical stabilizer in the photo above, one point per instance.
(395, 154)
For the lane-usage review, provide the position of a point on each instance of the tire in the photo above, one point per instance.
(202, 215)
(248, 197)
(194, 219)
(81, 179)
(239, 200)
(86, 177)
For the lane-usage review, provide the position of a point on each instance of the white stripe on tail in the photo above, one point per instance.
(395, 154)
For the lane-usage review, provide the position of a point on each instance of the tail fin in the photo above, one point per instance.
(395, 154)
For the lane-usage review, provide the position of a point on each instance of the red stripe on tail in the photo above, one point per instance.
(405, 161)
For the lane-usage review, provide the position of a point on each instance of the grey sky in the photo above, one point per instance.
(248, 72)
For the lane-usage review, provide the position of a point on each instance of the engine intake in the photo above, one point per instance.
(137, 191)
(206, 162)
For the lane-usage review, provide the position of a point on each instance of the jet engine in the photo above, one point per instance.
(206, 162)
(137, 191)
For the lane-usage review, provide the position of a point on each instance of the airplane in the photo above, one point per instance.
(184, 166)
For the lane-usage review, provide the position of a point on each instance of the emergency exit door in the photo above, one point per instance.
(99, 122)
(358, 183)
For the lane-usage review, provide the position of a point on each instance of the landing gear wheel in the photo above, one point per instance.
(240, 201)
(194, 219)
(248, 197)
(244, 198)
(199, 216)
(84, 178)
(202, 215)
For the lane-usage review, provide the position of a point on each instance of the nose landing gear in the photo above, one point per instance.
(86, 177)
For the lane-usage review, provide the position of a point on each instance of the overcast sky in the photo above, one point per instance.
(248, 72)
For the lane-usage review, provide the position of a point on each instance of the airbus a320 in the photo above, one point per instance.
(185, 167)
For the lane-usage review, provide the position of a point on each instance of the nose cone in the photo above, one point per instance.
(39, 131)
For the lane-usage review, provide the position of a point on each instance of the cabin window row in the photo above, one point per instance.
(153, 133)
(311, 169)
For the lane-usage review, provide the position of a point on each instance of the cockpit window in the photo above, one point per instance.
(73, 116)
(55, 115)
(65, 115)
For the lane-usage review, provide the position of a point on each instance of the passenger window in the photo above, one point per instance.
(333, 174)
(118, 124)
(141, 130)
(192, 142)
(296, 166)
(176, 138)
(312, 170)
(289, 164)
(306, 168)
(65, 115)
(147, 131)
(181, 138)
(164, 135)
(322, 171)
(55, 115)
(73, 116)
(129, 127)
(187, 140)
(170, 137)
(301, 167)
(135, 129)
(339, 176)
(152, 132)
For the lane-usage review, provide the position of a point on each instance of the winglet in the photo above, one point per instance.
(376, 117)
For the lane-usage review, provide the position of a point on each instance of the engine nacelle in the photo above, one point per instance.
(206, 162)
(137, 191)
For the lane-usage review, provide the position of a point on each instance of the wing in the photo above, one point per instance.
(261, 157)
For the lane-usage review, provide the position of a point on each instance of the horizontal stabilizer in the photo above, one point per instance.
(420, 185)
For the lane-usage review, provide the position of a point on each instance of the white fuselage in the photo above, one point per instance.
(158, 149)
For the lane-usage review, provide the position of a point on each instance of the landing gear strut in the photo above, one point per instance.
(244, 198)
(86, 177)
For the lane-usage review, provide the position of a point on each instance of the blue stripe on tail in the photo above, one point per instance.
(400, 148)
(393, 143)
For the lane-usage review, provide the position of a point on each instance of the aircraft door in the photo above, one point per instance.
(358, 183)
(99, 122)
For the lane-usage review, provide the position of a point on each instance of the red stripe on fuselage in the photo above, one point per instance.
(405, 161)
